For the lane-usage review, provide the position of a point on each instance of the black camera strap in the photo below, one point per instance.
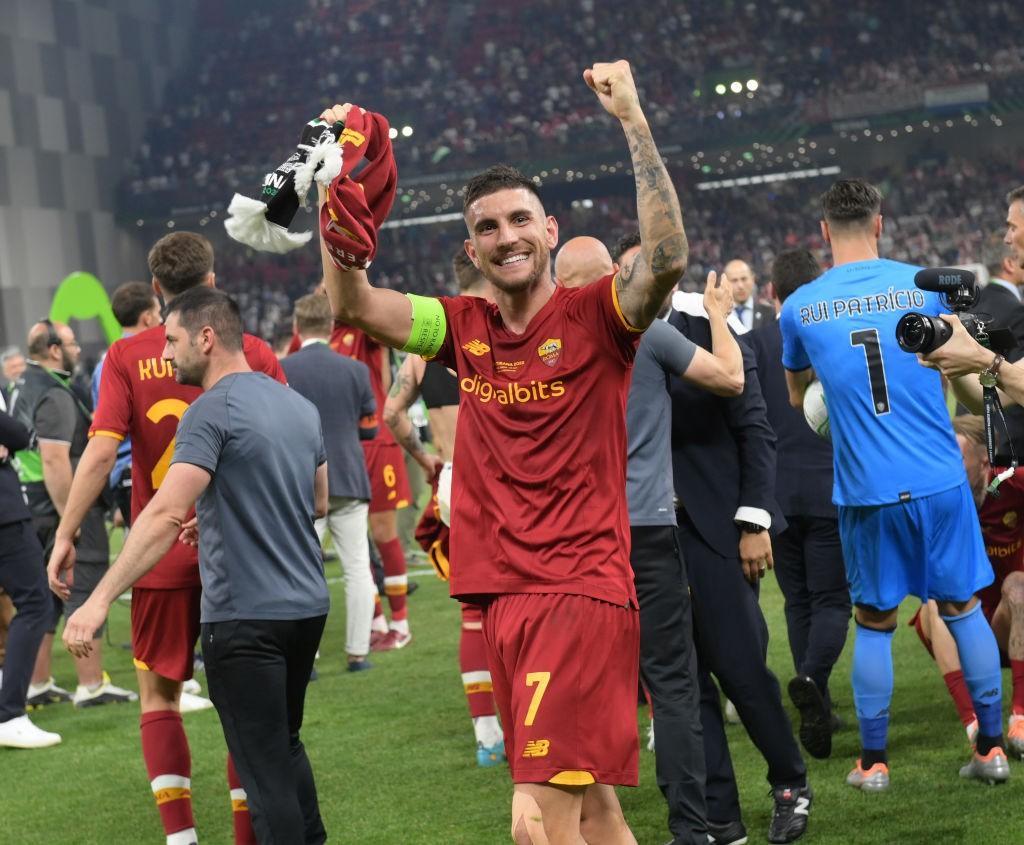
(993, 406)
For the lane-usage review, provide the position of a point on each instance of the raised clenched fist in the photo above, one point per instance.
(337, 114)
(614, 86)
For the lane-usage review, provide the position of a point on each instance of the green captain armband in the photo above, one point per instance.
(429, 326)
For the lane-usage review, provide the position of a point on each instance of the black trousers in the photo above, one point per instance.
(812, 576)
(732, 643)
(668, 667)
(23, 578)
(257, 672)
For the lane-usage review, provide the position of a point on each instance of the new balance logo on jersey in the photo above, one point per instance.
(476, 347)
(512, 393)
(537, 748)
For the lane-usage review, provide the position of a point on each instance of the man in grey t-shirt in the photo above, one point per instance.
(251, 452)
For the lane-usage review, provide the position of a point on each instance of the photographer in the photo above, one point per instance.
(962, 355)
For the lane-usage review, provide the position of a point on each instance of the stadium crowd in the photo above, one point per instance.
(936, 206)
(510, 96)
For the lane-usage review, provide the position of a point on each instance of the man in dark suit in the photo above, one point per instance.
(339, 386)
(1000, 299)
(750, 313)
(808, 554)
(723, 459)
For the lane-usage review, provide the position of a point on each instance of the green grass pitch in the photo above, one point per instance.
(393, 754)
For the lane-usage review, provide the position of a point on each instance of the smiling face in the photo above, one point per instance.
(510, 239)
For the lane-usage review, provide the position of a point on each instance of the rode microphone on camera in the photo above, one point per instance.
(957, 286)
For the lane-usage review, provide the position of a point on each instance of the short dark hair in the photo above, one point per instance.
(313, 314)
(1016, 195)
(791, 269)
(130, 301)
(180, 261)
(625, 243)
(204, 306)
(467, 274)
(850, 203)
(497, 178)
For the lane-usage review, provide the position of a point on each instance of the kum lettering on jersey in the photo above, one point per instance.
(538, 498)
(890, 428)
(140, 398)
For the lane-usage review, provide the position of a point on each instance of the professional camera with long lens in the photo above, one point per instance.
(916, 332)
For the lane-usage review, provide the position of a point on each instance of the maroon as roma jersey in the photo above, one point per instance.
(538, 493)
(1002, 528)
(139, 398)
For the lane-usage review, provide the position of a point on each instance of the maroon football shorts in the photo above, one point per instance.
(564, 669)
(165, 628)
(389, 482)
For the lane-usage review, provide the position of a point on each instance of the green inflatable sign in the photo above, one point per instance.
(81, 296)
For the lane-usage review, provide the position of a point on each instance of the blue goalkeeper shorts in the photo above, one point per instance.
(929, 547)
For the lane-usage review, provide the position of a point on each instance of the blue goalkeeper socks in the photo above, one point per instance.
(979, 657)
(872, 687)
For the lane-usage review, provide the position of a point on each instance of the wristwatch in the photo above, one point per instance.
(749, 527)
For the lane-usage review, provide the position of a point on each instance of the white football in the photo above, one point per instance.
(816, 409)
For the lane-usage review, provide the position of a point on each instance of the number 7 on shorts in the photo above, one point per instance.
(540, 679)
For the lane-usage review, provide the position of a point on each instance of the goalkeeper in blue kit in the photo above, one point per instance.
(906, 516)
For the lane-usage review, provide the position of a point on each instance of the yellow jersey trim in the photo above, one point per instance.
(106, 433)
(573, 778)
(618, 310)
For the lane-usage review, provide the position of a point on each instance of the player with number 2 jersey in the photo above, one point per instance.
(140, 399)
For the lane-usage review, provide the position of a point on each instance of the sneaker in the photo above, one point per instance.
(411, 587)
(393, 640)
(489, 757)
(1015, 735)
(992, 768)
(792, 809)
(191, 703)
(875, 779)
(191, 686)
(39, 695)
(359, 665)
(972, 732)
(726, 833)
(105, 693)
(19, 732)
(376, 638)
(815, 718)
(731, 716)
